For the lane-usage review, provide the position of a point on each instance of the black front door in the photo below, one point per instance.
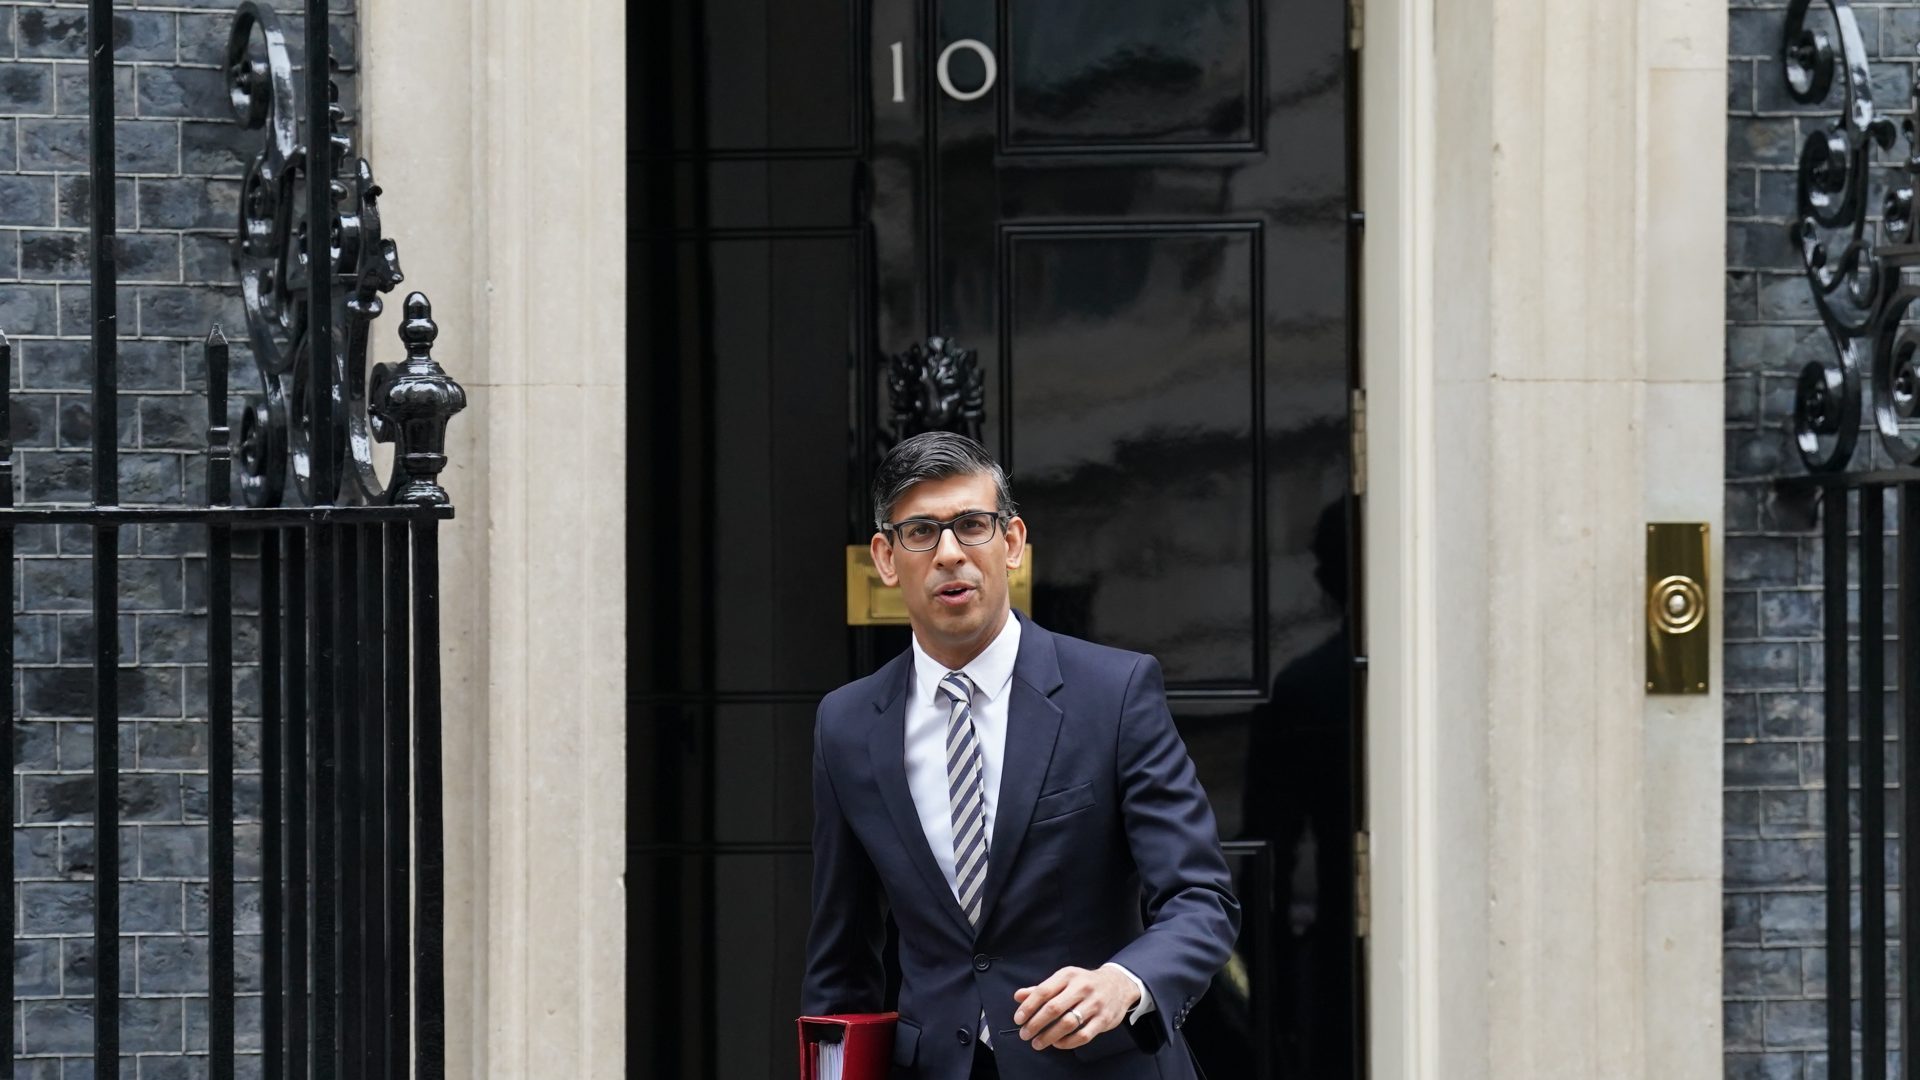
(1137, 214)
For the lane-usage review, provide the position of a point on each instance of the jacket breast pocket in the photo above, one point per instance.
(1057, 804)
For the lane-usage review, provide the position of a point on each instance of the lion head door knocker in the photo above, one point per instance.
(936, 387)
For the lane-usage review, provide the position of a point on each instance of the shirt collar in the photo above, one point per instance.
(990, 672)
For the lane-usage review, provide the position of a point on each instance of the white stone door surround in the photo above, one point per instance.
(1542, 349)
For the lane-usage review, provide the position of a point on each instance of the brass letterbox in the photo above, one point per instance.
(871, 602)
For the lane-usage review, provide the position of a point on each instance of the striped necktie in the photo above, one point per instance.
(966, 786)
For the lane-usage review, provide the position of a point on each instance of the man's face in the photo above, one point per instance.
(956, 594)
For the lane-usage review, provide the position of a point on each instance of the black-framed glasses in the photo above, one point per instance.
(923, 534)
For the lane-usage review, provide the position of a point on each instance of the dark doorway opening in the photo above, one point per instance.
(1138, 216)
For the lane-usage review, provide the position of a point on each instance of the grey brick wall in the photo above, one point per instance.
(1775, 910)
(181, 158)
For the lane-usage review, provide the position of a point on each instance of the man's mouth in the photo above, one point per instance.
(954, 594)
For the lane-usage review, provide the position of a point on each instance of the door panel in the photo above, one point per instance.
(1123, 74)
(729, 773)
(784, 309)
(766, 78)
(752, 273)
(783, 196)
(717, 963)
(1132, 422)
(762, 402)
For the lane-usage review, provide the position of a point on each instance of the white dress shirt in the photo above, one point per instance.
(926, 753)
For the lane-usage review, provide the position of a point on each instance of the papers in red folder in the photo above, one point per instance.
(846, 1046)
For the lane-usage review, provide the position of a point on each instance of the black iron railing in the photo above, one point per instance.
(1853, 561)
(1858, 253)
(352, 902)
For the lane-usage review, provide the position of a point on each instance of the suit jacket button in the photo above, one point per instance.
(981, 962)
(964, 1036)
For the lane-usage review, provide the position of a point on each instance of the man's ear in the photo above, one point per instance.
(883, 559)
(1016, 543)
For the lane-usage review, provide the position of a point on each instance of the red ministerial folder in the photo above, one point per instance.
(866, 1043)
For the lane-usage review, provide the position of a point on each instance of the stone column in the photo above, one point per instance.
(1542, 352)
(498, 132)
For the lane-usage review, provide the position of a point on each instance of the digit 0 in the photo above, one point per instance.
(986, 58)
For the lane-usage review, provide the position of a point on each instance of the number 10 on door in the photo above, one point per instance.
(943, 70)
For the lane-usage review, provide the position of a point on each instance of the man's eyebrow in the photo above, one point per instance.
(955, 514)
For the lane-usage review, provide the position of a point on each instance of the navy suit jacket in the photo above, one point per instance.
(1099, 814)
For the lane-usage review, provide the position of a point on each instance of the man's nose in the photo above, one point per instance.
(949, 552)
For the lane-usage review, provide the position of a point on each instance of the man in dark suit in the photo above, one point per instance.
(1016, 797)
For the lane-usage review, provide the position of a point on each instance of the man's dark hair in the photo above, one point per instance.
(935, 455)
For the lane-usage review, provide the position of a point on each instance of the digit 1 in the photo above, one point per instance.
(899, 73)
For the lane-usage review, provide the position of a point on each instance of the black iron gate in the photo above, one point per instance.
(351, 848)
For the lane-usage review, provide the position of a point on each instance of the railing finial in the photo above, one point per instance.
(415, 403)
(219, 434)
(311, 416)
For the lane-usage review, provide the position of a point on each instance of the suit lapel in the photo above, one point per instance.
(887, 748)
(1033, 727)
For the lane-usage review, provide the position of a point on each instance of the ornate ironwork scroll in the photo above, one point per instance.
(274, 254)
(1860, 282)
(936, 387)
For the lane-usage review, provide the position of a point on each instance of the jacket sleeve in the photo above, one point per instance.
(848, 928)
(1193, 918)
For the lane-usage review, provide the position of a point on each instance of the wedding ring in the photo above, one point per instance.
(1078, 1023)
